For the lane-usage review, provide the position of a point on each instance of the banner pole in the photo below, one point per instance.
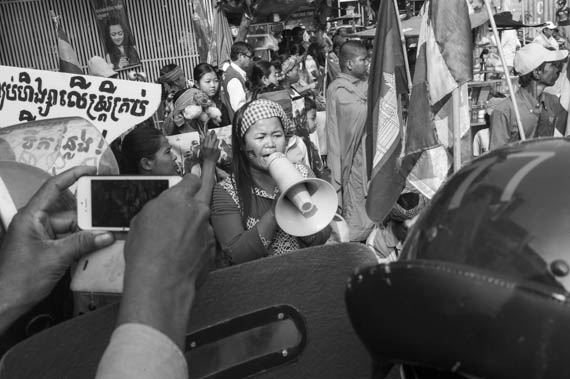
(456, 119)
(404, 49)
(506, 70)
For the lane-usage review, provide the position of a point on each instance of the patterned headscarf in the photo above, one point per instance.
(169, 77)
(262, 109)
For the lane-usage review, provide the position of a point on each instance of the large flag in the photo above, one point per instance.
(68, 61)
(384, 120)
(222, 41)
(415, 153)
(444, 62)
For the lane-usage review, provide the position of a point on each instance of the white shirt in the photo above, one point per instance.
(236, 91)
(549, 42)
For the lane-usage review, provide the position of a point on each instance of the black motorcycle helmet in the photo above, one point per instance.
(482, 286)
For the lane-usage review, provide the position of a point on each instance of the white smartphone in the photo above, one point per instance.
(110, 202)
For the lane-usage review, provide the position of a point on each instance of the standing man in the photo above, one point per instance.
(546, 38)
(346, 118)
(234, 93)
(541, 113)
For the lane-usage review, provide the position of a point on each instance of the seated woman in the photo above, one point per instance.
(146, 151)
(243, 204)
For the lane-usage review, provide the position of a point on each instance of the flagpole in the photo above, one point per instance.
(456, 119)
(505, 69)
(404, 49)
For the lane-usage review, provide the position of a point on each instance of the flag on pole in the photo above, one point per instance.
(444, 62)
(68, 61)
(384, 120)
(415, 152)
(222, 41)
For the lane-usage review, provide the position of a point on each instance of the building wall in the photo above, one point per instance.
(162, 29)
(539, 11)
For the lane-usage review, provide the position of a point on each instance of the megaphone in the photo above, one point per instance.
(305, 205)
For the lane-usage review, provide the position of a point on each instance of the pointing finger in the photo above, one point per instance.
(55, 186)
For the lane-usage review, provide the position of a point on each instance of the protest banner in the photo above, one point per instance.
(114, 106)
(186, 146)
(56, 145)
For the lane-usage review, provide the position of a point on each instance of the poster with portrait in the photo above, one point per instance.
(186, 148)
(116, 34)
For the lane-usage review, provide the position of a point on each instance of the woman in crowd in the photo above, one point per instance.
(207, 80)
(172, 80)
(121, 51)
(264, 77)
(146, 151)
(243, 205)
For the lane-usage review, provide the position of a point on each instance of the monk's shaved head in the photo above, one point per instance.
(350, 50)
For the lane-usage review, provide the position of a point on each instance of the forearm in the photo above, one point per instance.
(158, 302)
(208, 180)
(9, 313)
(14, 303)
(253, 243)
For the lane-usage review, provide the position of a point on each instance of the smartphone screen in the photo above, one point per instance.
(115, 202)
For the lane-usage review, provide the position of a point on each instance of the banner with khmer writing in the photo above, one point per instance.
(114, 106)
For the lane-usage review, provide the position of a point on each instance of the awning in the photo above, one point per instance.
(411, 28)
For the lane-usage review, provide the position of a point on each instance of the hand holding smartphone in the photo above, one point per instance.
(110, 202)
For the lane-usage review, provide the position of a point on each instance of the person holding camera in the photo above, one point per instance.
(167, 253)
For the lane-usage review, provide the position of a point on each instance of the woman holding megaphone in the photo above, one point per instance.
(243, 205)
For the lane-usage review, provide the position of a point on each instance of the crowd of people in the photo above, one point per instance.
(228, 216)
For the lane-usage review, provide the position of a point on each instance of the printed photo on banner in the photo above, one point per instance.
(113, 106)
(186, 147)
(56, 145)
(116, 34)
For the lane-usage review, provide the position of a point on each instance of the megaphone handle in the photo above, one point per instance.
(300, 197)
(317, 238)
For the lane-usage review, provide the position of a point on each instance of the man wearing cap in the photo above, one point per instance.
(541, 113)
(234, 93)
(346, 117)
(545, 37)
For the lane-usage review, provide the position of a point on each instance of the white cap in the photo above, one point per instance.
(549, 25)
(99, 67)
(533, 55)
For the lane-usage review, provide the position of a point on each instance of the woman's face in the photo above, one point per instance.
(209, 83)
(117, 35)
(293, 75)
(312, 120)
(262, 139)
(272, 78)
(178, 83)
(164, 161)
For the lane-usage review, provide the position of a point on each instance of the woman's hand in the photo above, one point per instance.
(210, 147)
(123, 62)
(318, 238)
